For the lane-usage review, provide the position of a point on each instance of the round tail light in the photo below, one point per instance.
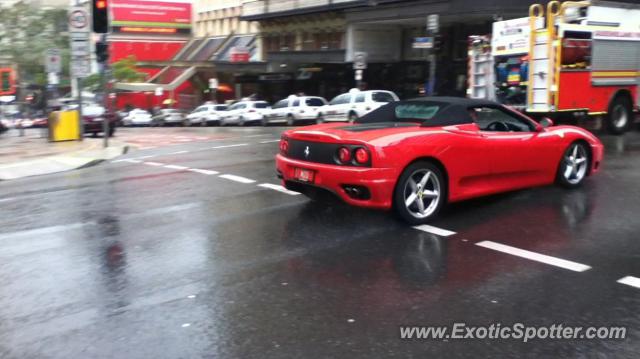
(284, 146)
(344, 155)
(362, 155)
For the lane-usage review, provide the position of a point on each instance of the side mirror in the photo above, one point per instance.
(546, 122)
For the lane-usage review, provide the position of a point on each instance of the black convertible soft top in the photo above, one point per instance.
(448, 111)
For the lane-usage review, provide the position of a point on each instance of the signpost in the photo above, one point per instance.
(79, 32)
(359, 64)
(433, 27)
(213, 86)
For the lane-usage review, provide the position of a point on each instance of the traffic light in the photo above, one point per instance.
(102, 51)
(100, 11)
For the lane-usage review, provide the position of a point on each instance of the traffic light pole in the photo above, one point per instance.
(105, 98)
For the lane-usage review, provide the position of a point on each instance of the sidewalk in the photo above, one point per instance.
(33, 155)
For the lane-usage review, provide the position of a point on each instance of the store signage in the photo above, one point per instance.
(151, 17)
(423, 43)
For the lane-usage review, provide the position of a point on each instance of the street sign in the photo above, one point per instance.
(359, 60)
(53, 61)
(78, 20)
(80, 44)
(213, 84)
(80, 47)
(423, 43)
(80, 66)
(433, 23)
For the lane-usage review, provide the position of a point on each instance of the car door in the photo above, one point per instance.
(518, 150)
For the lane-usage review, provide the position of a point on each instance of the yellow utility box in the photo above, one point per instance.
(64, 126)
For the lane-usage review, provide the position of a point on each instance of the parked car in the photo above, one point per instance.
(206, 114)
(354, 104)
(137, 117)
(294, 109)
(92, 117)
(168, 116)
(245, 112)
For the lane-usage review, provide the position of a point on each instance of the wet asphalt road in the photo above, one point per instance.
(136, 260)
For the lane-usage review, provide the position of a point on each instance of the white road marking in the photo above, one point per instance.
(176, 167)
(204, 172)
(157, 164)
(145, 157)
(40, 231)
(542, 258)
(228, 146)
(177, 153)
(116, 161)
(237, 178)
(629, 280)
(278, 188)
(434, 230)
(131, 160)
(270, 141)
(251, 136)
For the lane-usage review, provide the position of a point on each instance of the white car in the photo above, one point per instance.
(294, 108)
(168, 116)
(355, 104)
(137, 117)
(205, 114)
(245, 112)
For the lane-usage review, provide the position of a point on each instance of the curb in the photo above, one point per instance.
(61, 163)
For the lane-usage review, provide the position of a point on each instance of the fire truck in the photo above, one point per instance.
(570, 61)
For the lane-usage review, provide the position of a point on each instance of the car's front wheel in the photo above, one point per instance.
(420, 192)
(574, 166)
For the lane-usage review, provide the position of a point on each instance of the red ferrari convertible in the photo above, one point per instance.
(417, 155)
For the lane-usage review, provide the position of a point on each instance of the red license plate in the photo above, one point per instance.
(303, 175)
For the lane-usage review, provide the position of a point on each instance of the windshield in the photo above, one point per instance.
(382, 97)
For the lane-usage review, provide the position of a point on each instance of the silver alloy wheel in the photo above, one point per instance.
(422, 193)
(576, 164)
(620, 116)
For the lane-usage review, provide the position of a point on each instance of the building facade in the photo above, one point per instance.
(309, 45)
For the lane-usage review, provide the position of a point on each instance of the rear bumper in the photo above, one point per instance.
(380, 182)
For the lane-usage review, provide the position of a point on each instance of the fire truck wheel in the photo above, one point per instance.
(620, 115)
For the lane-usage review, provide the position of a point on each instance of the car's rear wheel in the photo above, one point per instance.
(574, 166)
(420, 192)
(265, 121)
(290, 120)
(319, 119)
(112, 131)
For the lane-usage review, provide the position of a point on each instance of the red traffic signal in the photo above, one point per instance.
(100, 14)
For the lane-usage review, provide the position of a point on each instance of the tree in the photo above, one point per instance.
(124, 70)
(26, 32)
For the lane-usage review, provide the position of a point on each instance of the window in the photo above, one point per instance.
(341, 99)
(295, 103)
(382, 97)
(221, 108)
(360, 97)
(495, 119)
(281, 104)
(314, 101)
(412, 112)
(260, 105)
